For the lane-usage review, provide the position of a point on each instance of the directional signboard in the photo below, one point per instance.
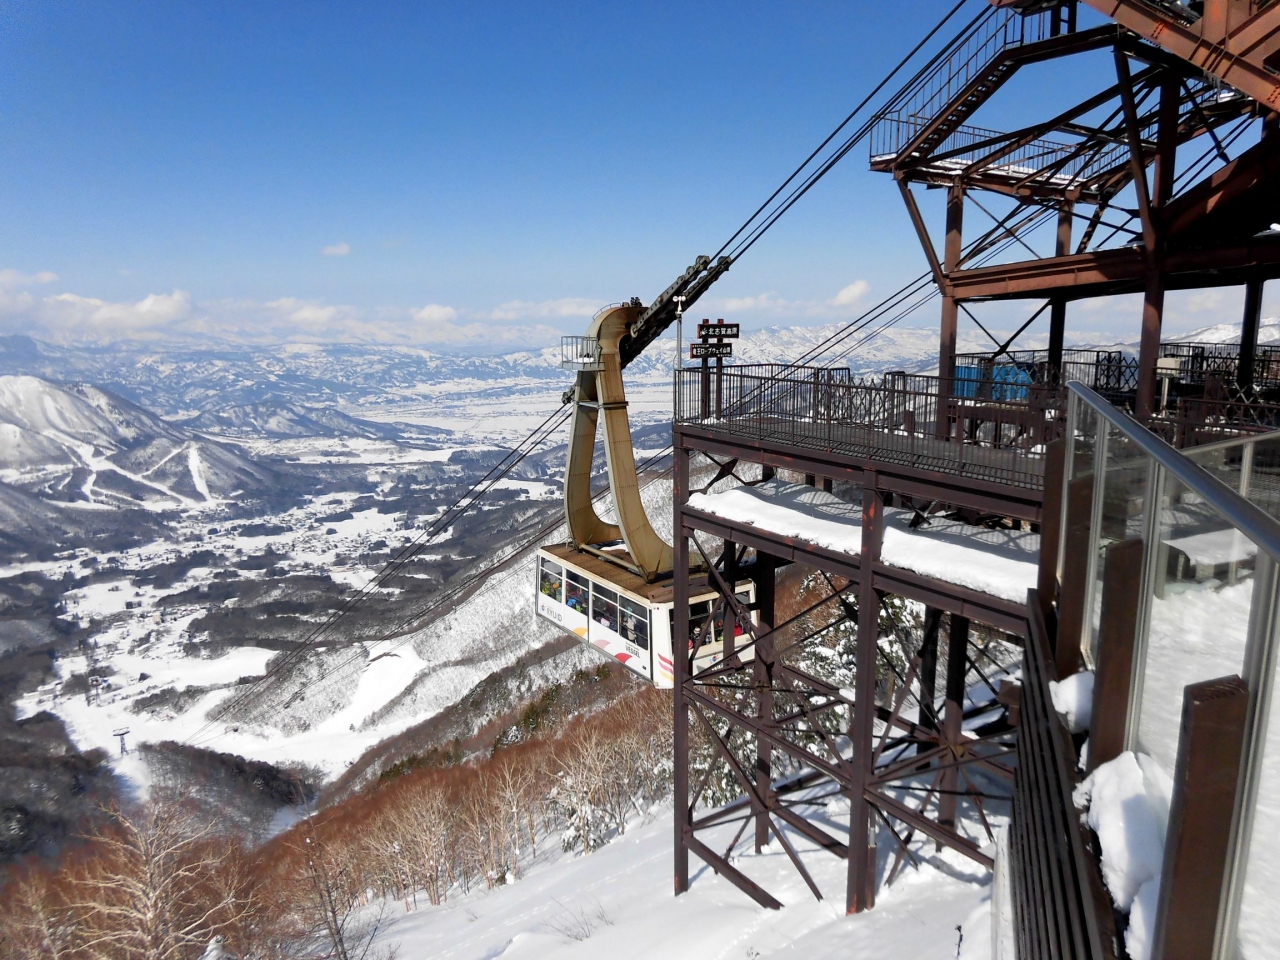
(727, 331)
(704, 351)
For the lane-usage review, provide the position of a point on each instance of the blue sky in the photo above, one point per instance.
(457, 173)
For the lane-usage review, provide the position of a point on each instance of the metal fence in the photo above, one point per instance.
(899, 418)
(1198, 362)
(1112, 373)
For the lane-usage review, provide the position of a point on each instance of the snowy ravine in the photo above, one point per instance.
(617, 903)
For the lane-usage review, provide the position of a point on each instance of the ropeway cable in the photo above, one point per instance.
(754, 233)
(407, 624)
(450, 515)
(479, 489)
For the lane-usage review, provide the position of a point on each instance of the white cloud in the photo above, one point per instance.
(850, 296)
(73, 317)
(845, 302)
(16, 278)
(435, 313)
(153, 310)
(545, 309)
(311, 314)
(336, 250)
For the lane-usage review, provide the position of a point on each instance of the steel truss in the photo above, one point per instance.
(1199, 225)
(911, 759)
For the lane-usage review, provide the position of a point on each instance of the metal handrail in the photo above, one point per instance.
(1250, 519)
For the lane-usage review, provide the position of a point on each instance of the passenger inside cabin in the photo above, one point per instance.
(576, 592)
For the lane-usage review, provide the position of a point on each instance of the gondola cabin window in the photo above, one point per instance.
(635, 623)
(577, 590)
(551, 581)
(604, 607)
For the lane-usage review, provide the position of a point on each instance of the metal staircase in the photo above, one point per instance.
(926, 113)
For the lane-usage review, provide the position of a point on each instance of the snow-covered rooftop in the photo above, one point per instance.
(1001, 563)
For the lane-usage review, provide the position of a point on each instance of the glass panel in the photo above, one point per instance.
(1257, 927)
(1199, 621)
(576, 590)
(1083, 443)
(1124, 494)
(551, 582)
(1224, 461)
(635, 623)
(604, 607)
(1263, 486)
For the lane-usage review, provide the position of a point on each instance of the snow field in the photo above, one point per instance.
(617, 902)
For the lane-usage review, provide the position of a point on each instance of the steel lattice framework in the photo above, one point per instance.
(1163, 178)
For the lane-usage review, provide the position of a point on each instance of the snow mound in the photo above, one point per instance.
(1073, 700)
(1128, 808)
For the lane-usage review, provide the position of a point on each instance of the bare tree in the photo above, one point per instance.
(156, 885)
(36, 923)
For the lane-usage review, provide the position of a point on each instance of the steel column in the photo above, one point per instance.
(1152, 207)
(929, 671)
(1249, 333)
(860, 894)
(683, 816)
(953, 716)
(952, 252)
(764, 666)
(1058, 305)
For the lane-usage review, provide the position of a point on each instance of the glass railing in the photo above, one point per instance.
(1206, 524)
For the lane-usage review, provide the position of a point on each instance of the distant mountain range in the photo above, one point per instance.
(295, 390)
(280, 391)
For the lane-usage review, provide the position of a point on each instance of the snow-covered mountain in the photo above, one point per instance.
(80, 443)
(275, 420)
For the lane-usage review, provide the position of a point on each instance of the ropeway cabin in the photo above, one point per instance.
(611, 585)
(632, 621)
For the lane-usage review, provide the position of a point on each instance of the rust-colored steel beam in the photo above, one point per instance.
(1234, 184)
(1110, 272)
(731, 873)
(997, 612)
(1248, 76)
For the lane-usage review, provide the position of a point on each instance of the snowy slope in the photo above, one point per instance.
(617, 903)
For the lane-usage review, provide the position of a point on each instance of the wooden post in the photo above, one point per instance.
(860, 894)
(680, 667)
(1072, 616)
(1117, 632)
(1198, 840)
